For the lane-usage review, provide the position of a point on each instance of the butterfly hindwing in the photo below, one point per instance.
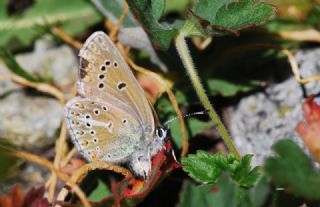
(102, 131)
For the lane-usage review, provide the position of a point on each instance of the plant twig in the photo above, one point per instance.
(301, 35)
(115, 29)
(68, 157)
(295, 69)
(66, 38)
(42, 87)
(85, 169)
(60, 151)
(101, 165)
(183, 51)
(202, 44)
(47, 164)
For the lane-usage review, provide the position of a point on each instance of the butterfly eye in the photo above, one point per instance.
(161, 133)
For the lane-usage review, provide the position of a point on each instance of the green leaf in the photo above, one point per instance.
(113, 10)
(277, 25)
(208, 9)
(243, 173)
(194, 126)
(293, 170)
(233, 15)
(260, 192)
(72, 17)
(149, 13)
(227, 88)
(192, 28)
(12, 65)
(3, 7)
(100, 192)
(207, 168)
(177, 5)
(242, 14)
(191, 195)
(227, 195)
(164, 105)
(159, 6)
(251, 177)
(9, 165)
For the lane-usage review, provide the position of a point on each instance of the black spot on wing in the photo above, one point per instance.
(122, 85)
(83, 66)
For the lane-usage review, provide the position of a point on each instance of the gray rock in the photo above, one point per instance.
(57, 63)
(29, 120)
(262, 119)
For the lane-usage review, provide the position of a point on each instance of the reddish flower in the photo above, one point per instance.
(13, 199)
(153, 88)
(16, 198)
(131, 191)
(309, 131)
(72, 165)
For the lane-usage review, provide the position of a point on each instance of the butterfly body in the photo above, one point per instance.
(111, 120)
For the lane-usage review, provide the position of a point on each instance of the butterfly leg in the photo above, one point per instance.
(140, 163)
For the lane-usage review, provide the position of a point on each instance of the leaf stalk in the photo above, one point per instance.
(185, 56)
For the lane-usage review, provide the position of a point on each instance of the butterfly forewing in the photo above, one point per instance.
(101, 131)
(105, 75)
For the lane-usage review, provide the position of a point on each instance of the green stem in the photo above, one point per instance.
(183, 51)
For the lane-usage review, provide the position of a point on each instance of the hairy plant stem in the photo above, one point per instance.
(184, 54)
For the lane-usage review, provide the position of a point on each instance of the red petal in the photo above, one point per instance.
(34, 198)
(310, 131)
(13, 199)
(311, 110)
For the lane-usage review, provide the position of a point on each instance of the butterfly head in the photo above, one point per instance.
(140, 162)
(161, 134)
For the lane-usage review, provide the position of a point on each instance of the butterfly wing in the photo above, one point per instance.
(105, 75)
(102, 131)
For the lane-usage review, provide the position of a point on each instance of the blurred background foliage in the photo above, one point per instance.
(232, 66)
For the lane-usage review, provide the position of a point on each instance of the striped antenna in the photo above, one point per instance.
(184, 116)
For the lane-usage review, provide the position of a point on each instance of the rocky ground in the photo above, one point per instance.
(29, 120)
(261, 119)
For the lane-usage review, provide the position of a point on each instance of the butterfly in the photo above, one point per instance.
(111, 119)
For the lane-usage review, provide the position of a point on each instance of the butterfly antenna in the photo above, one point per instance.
(184, 116)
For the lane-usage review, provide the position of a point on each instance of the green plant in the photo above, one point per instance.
(219, 179)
